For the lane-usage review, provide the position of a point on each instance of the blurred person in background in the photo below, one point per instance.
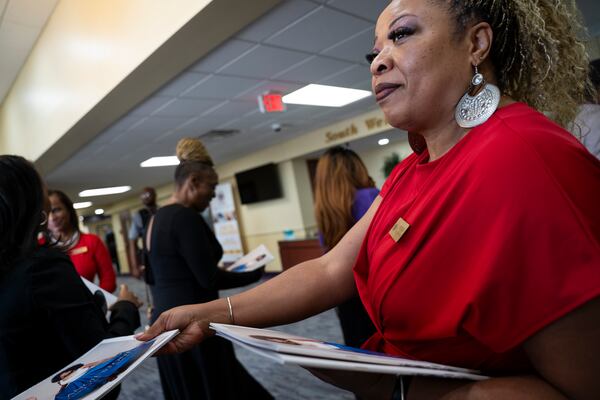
(111, 244)
(184, 254)
(344, 191)
(587, 122)
(87, 251)
(138, 258)
(48, 317)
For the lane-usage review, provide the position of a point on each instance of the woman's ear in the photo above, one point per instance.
(191, 184)
(187, 188)
(481, 36)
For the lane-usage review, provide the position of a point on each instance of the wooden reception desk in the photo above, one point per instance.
(293, 252)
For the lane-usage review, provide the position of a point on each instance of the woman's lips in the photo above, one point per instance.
(383, 90)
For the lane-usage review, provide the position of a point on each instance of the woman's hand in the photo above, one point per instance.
(126, 295)
(192, 322)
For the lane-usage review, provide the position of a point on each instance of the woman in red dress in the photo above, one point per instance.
(483, 248)
(87, 251)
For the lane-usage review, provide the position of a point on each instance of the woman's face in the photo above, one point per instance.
(58, 217)
(203, 189)
(421, 68)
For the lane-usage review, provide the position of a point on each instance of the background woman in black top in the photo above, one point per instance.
(48, 318)
(184, 253)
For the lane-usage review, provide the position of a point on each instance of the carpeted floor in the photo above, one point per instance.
(284, 382)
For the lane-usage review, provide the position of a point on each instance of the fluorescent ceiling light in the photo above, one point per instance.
(99, 211)
(83, 204)
(160, 161)
(326, 96)
(104, 191)
(383, 142)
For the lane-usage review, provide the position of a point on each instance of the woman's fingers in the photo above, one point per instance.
(192, 330)
(156, 329)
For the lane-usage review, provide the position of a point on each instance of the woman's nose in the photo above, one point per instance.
(381, 63)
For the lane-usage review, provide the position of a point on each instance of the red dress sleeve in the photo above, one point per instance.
(104, 267)
(540, 259)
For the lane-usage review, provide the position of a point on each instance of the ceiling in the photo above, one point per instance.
(298, 42)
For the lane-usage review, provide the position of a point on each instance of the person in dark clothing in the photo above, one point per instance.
(138, 257)
(45, 308)
(184, 253)
(111, 244)
(344, 192)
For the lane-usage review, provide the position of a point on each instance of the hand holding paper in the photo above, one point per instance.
(190, 320)
(127, 295)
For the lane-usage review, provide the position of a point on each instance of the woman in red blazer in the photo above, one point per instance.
(87, 252)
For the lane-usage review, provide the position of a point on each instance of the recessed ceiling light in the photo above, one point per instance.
(160, 161)
(383, 142)
(99, 211)
(83, 204)
(104, 191)
(326, 96)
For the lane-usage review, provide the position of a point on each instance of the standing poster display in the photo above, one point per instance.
(224, 218)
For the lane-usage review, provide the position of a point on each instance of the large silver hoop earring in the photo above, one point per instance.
(478, 104)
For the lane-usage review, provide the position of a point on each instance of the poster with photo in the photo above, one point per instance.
(94, 374)
(225, 223)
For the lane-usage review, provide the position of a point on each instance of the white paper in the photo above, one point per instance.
(314, 362)
(257, 258)
(47, 390)
(110, 298)
(292, 349)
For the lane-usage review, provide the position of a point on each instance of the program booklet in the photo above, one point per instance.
(95, 373)
(257, 258)
(286, 348)
(109, 297)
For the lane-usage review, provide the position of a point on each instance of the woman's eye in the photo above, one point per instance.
(399, 34)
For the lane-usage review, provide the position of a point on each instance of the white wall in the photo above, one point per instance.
(374, 158)
(305, 195)
(264, 222)
(273, 216)
(78, 60)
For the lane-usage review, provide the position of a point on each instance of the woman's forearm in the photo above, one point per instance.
(308, 288)
(304, 290)
(514, 388)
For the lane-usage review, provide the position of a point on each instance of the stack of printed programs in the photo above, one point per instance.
(311, 353)
(98, 371)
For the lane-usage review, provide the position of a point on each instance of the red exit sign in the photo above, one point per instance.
(271, 102)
